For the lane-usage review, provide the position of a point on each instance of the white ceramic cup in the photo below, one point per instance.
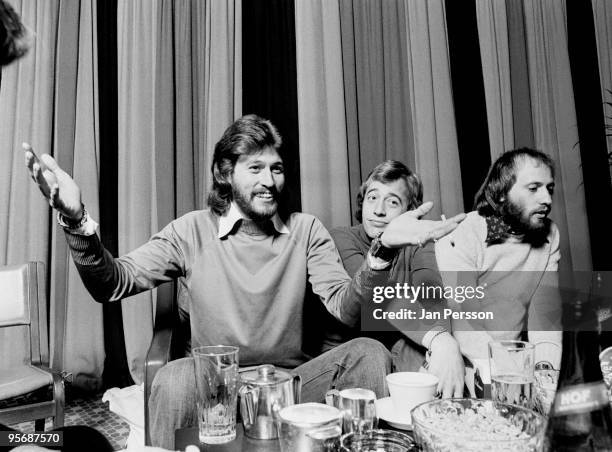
(408, 389)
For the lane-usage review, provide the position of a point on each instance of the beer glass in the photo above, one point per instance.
(216, 373)
(512, 372)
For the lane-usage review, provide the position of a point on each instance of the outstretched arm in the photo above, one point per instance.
(105, 277)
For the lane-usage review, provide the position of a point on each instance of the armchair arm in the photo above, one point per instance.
(59, 395)
(160, 350)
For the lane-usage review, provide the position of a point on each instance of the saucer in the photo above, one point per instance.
(386, 411)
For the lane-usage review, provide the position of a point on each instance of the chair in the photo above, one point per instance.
(170, 341)
(24, 346)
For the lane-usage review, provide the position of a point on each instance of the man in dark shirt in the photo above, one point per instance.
(390, 190)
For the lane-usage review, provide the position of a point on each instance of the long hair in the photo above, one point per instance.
(489, 199)
(247, 135)
(387, 172)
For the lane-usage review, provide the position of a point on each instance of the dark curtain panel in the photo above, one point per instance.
(468, 96)
(116, 372)
(269, 78)
(519, 75)
(591, 127)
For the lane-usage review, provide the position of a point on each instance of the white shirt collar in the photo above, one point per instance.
(228, 221)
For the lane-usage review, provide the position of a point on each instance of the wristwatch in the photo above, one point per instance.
(70, 224)
(379, 251)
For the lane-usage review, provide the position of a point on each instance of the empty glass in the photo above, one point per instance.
(216, 372)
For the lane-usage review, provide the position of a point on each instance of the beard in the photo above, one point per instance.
(522, 221)
(254, 208)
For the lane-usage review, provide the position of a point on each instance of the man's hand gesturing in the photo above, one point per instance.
(60, 190)
(409, 229)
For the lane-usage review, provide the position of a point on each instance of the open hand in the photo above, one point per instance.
(60, 190)
(408, 229)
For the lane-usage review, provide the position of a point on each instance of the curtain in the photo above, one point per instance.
(321, 115)
(75, 317)
(269, 82)
(602, 12)
(435, 136)
(48, 99)
(39, 104)
(395, 102)
(376, 83)
(174, 104)
(26, 114)
(137, 29)
(495, 56)
(519, 75)
(554, 123)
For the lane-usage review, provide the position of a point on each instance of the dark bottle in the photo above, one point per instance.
(580, 418)
(601, 292)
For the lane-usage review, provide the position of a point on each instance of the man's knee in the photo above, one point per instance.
(173, 379)
(372, 351)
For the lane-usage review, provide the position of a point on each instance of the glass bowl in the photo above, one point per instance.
(452, 425)
(376, 441)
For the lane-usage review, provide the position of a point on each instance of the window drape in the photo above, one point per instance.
(602, 13)
(321, 112)
(179, 75)
(554, 124)
(435, 135)
(49, 99)
(495, 56)
(395, 101)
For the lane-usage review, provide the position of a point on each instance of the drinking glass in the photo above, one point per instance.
(512, 372)
(216, 372)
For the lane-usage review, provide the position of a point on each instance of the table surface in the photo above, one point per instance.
(189, 436)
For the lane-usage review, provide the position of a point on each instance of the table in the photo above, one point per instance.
(187, 436)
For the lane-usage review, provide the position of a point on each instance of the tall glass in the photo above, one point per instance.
(512, 372)
(216, 372)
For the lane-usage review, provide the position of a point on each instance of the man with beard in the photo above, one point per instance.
(510, 248)
(246, 265)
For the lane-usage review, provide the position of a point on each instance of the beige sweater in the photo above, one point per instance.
(520, 285)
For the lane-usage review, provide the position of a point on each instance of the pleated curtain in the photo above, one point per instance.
(49, 99)
(179, 75)
(554, 124)
(394, 101)
(602, 13)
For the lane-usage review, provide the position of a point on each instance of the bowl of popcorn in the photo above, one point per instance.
(451, 425)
